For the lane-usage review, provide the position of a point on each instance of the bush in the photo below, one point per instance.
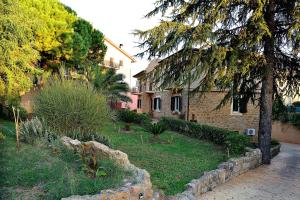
(2, 136)
(279, 111)
(34, 129)
(235, 142)
(69, 106)
(155, 128)
(7, 110)
(274, 142)
(92, 137)
(294, 118)
(296, 103)
(127, 116)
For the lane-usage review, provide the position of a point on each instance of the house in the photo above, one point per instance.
(122, 62)
(181, 104)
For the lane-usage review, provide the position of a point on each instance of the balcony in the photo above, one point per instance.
(110, 64)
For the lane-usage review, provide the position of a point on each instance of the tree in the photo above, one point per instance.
(17, 55)
(251, 43)
(88, 46)
(112, 85)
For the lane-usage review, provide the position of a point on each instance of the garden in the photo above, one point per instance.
(40, 166)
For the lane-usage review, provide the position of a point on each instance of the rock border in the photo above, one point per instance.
(141, 187)
(225, 172)
(138, 188)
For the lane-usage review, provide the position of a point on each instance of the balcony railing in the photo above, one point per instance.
(110, 64)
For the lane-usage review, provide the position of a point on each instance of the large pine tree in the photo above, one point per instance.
(253, 43)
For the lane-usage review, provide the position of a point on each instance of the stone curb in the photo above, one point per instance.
(141, 186)
(138, 188)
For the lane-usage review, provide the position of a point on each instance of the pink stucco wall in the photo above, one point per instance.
(133, 104)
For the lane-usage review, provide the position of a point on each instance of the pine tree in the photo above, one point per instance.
(253, 43)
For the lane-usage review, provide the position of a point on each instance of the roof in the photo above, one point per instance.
(153, 63)
(119, 49)
(140, 74)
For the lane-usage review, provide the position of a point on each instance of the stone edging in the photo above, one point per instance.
(222, 174)
(139, 188)
(275, 150)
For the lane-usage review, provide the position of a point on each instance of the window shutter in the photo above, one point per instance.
(159, 103)
(172, 103)
(180, 104)
(243, 105)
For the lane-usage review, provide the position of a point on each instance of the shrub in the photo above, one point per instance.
(34, 129)
(2, 136)
(296, 104)
(68, 106)
(142, 119)
(129, 116)
(235, 142)
(294, 118)
(92, 137)
(155, 128)
(274, 142)
(279, 111)
(7, 111)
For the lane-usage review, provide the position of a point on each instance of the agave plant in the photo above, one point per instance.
(156, 129)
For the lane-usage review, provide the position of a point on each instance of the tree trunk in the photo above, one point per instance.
(266, 99)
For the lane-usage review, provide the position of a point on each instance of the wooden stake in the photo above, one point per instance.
(16, 117)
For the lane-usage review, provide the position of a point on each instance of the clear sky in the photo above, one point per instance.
(117, 19)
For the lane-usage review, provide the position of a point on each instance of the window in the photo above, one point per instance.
(157, 103)
(139, 103)
(176, 104)
(121, 63)
(235, 104)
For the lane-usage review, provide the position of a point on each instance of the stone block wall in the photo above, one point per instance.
(141, 187)
(204, 112)
(222, 174)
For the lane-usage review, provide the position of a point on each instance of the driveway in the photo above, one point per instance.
(278, 181)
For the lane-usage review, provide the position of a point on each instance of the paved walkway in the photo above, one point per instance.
(278, 181)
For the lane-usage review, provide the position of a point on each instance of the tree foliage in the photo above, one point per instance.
(38, 36)
(112, 85)
(251, 43)
(17, 55)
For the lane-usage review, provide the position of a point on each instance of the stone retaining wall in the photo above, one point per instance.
(222, 174)
(141, 187)
(138, 188)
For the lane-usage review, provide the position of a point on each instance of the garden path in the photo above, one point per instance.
(278, 181)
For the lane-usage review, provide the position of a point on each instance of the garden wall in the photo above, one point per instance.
(141, 188)
(222, 174)
(285, 132)
(138, 188)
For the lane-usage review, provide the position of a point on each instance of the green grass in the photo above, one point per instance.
(36, 172)
(172, 163)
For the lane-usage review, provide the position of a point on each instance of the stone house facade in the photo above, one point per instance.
(201, 109)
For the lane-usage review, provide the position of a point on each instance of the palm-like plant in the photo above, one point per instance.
(155, 129)
(112, 85)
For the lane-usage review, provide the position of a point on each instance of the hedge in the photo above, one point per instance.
(233, 141)
(127, 115)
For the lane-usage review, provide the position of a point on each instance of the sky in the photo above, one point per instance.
(116, 19)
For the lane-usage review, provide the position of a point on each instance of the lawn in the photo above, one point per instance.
(37, 172)
(172, 162)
